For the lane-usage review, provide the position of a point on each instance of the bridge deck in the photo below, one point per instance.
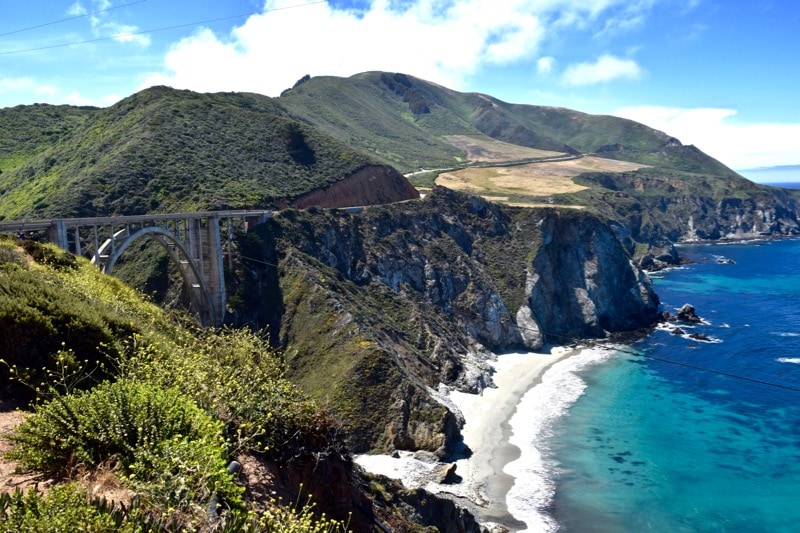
(43, 224)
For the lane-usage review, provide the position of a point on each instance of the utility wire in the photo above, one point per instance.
(70, 18)
(177, 26)
(734, 376)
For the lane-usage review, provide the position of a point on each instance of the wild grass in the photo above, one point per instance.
(120, 384)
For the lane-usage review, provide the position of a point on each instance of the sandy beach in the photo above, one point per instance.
(483, 485)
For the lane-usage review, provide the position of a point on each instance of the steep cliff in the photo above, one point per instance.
(375, 309)
(656, 208)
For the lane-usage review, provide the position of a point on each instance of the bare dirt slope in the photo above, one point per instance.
(10, 480)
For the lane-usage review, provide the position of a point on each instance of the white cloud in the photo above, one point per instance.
(445, 42)
(126, 33)
(103, 26)
(712, 130)
(26, 91)
(26, 85)
(75, 98)
(545, 65)
(77, 9)
(605, 69)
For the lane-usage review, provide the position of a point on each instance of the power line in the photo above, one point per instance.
(669, 361)
(155, 30)
(70, 18)
(726, 374)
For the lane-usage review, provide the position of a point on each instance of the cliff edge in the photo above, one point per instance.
(376, 309)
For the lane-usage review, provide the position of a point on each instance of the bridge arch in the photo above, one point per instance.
(191, 273)
(192, 240)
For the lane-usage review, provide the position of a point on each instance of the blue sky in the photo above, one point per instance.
(719, 74)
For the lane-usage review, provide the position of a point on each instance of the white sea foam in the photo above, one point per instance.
(794, 360)
(532, 426)
(786, 334)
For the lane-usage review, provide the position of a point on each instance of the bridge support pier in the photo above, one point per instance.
(205, 248)
(192, 240)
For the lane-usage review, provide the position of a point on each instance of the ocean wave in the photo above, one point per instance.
(786, 334)
(794, 360)
(532, 425)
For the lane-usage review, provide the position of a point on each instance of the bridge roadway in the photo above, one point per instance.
(192, 240)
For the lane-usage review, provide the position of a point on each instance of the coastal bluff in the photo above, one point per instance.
(375, 310)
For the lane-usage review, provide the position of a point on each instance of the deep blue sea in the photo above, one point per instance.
(678, 435)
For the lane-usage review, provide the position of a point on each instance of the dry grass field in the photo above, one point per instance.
(514, 185)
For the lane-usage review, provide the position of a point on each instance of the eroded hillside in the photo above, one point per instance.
(376, 308)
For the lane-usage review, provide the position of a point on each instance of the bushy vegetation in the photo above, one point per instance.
(162, 444)
(235, 375)
(25, 130)
(164, 150)
(62, 323)
(125, 387)
(68, 507)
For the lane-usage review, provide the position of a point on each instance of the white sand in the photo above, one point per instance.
(485, 432)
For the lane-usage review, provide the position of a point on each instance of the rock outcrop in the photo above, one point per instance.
(687, 313)
(375, 309)
(651, 211)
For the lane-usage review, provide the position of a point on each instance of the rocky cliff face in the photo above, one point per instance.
(376, 309)
(651, 211)
(582, 284)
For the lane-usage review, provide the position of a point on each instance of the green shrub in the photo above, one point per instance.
(38, 318)
(50, 255)
(48, 313)
(164, 446)
(280, 518)
(65, 508)
(238, 377)
(10, 255)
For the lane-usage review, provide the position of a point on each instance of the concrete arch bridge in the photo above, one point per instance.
(196, 242)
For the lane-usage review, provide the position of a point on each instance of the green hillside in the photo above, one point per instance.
(26, 130)
(156, 405)
(404, 120)
(164, 150)
(365, 113)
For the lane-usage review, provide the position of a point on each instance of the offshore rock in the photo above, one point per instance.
(687, 313)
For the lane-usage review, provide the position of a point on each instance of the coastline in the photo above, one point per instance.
(487, 432)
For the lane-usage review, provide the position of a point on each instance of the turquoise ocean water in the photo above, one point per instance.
(678, 435)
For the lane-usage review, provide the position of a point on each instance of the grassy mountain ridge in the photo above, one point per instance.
(165, 150)
(169, 150)
(362, 112)
(423, 110)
